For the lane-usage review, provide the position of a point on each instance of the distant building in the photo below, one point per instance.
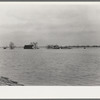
(53, 47)
(28, 47)
(31, 46)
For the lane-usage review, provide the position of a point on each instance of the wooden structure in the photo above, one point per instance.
(28, 47)
(32, 45)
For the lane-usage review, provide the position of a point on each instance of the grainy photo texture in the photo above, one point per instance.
(49, 44)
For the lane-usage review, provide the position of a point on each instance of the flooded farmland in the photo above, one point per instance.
(70, 67)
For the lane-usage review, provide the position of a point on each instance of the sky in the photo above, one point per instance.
(49, 23)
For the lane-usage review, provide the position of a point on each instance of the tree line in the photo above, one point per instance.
(35, 46)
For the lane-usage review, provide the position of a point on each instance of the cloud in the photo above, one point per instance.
(50, 23)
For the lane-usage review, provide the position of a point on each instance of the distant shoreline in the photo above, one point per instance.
(57, 47)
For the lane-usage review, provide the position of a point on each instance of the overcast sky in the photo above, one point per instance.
(49, 23)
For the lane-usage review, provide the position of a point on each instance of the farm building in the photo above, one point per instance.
(31, 46)
(28, 47)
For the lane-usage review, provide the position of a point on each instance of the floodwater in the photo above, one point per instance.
(69, 67)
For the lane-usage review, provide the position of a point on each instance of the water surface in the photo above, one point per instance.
(51, 67)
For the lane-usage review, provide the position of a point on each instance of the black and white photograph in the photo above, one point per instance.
(49, 44)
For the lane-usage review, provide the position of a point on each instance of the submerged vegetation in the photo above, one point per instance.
(71, 47)
(4, 81)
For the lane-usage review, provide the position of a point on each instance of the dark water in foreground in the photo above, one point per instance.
(51, 67)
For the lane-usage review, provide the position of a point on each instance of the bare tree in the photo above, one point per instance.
(11, 45)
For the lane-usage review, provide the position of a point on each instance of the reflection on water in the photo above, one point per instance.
(51, 67)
